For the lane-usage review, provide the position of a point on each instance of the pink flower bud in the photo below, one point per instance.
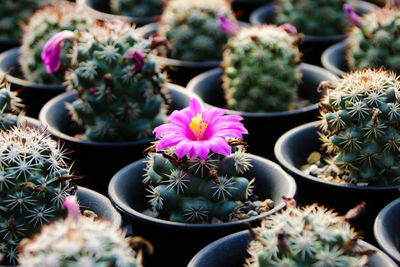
(52, 48)
(227, 26)
(71, 204)
(136, 57)
(353, 18)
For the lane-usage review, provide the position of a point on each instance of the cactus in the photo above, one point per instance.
(310, 236)
(13, 14)
(79, 241)
(34, 180)
(374, 43)
(360, 126)
(259, 69)
(329, 20)
(192, 28)
(136, 8)
(43, 24)
(9, 104)
(119, 86)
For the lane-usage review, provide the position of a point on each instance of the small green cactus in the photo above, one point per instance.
(360, 115)
(136, 8)
(312, 236)
(13, 14)
(260, 71)
(9, 105)
(193, 29)
(34, 181)
(311, 17)
(43, 24)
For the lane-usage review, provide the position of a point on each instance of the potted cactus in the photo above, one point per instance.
(197, 184)
(370, 42)
(321, 29)
(117, 96)
(24, 67)
(308, 236)
(358, 132)
(262, 80)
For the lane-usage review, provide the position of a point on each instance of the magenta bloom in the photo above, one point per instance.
(52, 48)
(194, 131)
(352, 16)
(136, 57)
(71, 204)
(227, 26)
(289, 28)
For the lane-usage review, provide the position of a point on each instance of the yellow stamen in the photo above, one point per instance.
(198, 126)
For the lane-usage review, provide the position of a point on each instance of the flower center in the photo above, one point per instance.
(198, 126)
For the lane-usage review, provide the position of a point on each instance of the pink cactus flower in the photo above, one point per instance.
(196, 130)
(289, 28)
(136, 57)
(227, 26)
(352, 16)
(71, 204)
(52, 48)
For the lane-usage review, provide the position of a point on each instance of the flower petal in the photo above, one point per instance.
(168, 141)
(195, 106)
(184, 147)
(220, 146)
(201, 149)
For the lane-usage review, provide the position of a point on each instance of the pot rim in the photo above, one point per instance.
(192, 83)
(126, 209)
(281, 158)
(326, 55)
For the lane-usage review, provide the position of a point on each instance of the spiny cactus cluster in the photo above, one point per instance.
(119, 85)
(376, 41)
(43, 24)
(311, 236)
(79, 241)
(192, 28)
(13, 14)
(136, 8)
(34, 181)
(311, 17)
(196, 190)
(260, 71)
(360, 123)
(9, 104)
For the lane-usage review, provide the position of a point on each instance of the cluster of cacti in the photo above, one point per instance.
(43, 24)
(375, 42)
(79, 241)
(360, 123)
(119, 85)
(260, 71)
(136, 8)
(312, 236)
(192, 28)
(34, 181)
(313, 17)
(9, 104)
(14, 13)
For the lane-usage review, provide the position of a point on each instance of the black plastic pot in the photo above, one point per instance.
(6, 44)
(98, 161)
(101, 10)
(34, 95)
(313, 45)
(292, 150)
(387, 229)
(333, 59)
(175, 243)
(265, 128)
(244, 8)
(230, 251)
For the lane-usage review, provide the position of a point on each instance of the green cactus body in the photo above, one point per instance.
(360, 118)
(136, 8)
(312, 236)
(375, 43)
(13, 14)
(34, 180)
(195, 190)
(9, 104)
(192, 28)
(313, 17)
(118, 101)
(259, 69)
(43, 24)
(85, 242)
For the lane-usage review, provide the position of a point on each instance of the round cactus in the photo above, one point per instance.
(43, 24)
(9, 104)
(136, 8)
(374, 43)
(13, 14)
(34, 181)
(359, 121)
(79, 241)
(193, 29)
(329, 20)
(311, 236)
(259, 69)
